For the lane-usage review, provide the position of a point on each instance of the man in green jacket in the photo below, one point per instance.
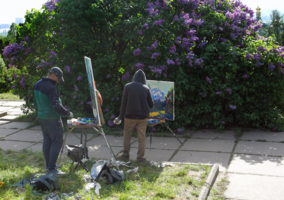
(50, 110)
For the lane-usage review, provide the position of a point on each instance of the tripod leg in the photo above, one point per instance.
(173, 134)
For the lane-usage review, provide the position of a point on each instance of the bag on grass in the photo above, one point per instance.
(100, 169)
(47, 182)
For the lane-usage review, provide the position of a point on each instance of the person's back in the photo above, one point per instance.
(136, 99)
(135, 107)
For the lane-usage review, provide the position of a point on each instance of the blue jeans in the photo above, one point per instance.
(52, 131)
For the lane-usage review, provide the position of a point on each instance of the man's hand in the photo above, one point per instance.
(117, 121)
(70, 115)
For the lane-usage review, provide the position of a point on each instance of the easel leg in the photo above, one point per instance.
(62, 148)
(100, 130)
(174, 134)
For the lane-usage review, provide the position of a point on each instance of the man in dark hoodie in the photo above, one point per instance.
(49, 110)
(135, 108)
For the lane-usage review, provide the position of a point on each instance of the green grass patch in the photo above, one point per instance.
(9, 97)
(150, 182)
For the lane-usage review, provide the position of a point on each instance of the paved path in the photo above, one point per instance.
(253, 164)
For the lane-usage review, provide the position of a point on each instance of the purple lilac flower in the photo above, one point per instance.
(280, 64)
(199, 22)
(256, 56)
(203, 94)
(139, 65)
(23, 84)
(112, 98)
(52, 53)
(191, 32)
(146, 26)
(177, 40)
(153, 129)
(223, 122)
(137, 52)
(106, 110)
(201, 45)
(89, 103)
(112, 116)
(198, 61)
(233, 36)
(179, 130)
(218, 92)
(261, 49)
(229, 91)
(75, 96)
(248, 56)
(246, 76)
(233, 107)
(165, 75)
(27, 39)
(117, 98)
(190, 63)
(140, 32)
(187, 22)
(185, 42)
(190, 55)
(13, 87)
(110, 123)
(82, 102)
(158, 22)
(155, 55)
(208, 80)
(194, 38)
(154, 45)
(67, 68)
(258, 64)
(108, 76)
(125, 77)
(79, 78)
(170, 62)
(271, 66)
(175, 18)
(15, 76)
(75, 87)
(172, 49)
(50, 5)
(223, 40)
(177, 62)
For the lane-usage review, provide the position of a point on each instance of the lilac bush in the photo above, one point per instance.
(222, 69)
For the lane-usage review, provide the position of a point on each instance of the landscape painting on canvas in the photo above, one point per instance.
(97, 111)
(163, 96)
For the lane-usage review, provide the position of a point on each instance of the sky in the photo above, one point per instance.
(12, 9)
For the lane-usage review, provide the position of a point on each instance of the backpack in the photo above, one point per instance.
(47, 182)
(100, 169)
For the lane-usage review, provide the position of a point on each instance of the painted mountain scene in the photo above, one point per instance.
(163, 96)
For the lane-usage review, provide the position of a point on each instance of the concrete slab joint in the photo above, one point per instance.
(209, 182)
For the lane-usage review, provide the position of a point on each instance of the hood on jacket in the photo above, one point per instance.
(139, 76)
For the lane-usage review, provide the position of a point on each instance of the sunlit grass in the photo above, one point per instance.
(170, 182)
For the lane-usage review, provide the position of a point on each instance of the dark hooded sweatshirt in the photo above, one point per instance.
(136, 99)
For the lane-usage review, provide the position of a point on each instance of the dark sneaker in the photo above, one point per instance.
(55, 171)
(141, 160)
(123, 158)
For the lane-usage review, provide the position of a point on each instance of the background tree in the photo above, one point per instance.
(276, 26)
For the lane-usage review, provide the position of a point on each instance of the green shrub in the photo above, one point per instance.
(224, 73)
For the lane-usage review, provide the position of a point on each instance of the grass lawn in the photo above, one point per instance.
(150, 182)
(9, 97)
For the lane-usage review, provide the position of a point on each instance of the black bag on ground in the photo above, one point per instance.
(47, 182)
(76, 152)
(101, 170)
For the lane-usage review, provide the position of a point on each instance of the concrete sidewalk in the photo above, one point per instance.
(253, 164)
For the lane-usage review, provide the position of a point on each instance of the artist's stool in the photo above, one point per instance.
(83, 141)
